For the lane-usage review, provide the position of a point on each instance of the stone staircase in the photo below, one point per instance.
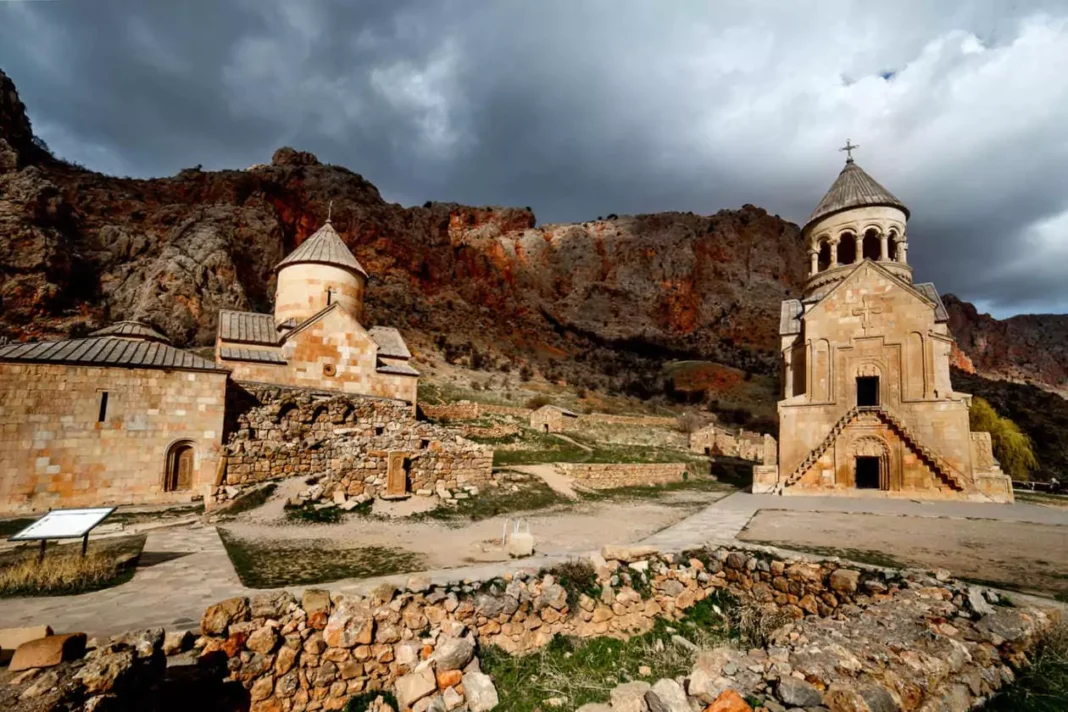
(940, 467)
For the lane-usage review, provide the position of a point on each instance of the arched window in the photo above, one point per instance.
(847, 249)
(872, 247)
(180, 464)
(824, 260)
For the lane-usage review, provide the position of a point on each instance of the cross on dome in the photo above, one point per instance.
(848, 148)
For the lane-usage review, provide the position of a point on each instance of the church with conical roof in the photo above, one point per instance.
(868, 407)
(316, 337)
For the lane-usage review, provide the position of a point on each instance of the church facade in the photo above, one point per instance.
(868, 406)
(123, 417)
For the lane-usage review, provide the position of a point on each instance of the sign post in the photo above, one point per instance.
(64, 524)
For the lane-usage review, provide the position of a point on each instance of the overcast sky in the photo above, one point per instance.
(580, 108)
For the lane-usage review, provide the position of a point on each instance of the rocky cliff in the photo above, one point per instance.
(79, 249)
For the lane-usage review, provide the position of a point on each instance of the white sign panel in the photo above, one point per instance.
(64, 524)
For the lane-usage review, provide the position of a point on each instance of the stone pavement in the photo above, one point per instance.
(184, 570)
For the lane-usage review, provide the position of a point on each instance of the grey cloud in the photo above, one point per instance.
(584, 109)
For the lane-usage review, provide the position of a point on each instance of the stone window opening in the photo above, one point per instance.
(872, 247)
(379, 430)
(847, 249)
(867, 391)
(424, 443)
(102, 415)
(180, 461)
(824, 260)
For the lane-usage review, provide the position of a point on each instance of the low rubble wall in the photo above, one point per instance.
(608, 476)
(346, 441)
(851, 636)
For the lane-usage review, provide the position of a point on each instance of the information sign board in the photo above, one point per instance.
(64, 524)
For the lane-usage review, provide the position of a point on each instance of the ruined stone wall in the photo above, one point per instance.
(469, 410)
(55, 451)
(746, 445)
(651, 421)
(278, 432)
(316, 652)
(608, 476)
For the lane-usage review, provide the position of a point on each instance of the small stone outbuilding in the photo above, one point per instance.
(553, 419)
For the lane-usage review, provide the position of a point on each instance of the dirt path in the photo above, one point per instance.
(551, 476)
(1022, 555)
(576, 443)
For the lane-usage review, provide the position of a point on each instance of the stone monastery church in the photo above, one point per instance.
(122, 417)
(868, 406)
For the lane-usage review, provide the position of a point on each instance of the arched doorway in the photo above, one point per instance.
(871, 464)
(180, 461)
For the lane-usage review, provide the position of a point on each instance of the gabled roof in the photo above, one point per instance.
(910, 288)
(928, 290)
(130, 329)
(790, 317)
(108, 351)
(324, 247)
(397, 367)
(247, 328)
(854, 188)
(255, 355)
(390, 342)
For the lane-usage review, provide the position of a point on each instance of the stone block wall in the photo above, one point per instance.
(608, 476)
(746, 445)
(277, 432)
(316, 652)
(469, 410)
(649, 421)
(56, 451)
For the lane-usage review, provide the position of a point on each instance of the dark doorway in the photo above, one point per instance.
(867, 473)
(867, 390)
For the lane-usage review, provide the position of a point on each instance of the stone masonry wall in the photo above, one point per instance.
(56, 452)
(346, 440)
(608, 476)
(842, 634)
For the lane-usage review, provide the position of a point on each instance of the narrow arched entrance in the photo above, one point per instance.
(180, 462)
(871, 464)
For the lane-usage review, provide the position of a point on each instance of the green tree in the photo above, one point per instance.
(1012, 448)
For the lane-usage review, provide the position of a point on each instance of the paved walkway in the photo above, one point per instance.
(184, 570)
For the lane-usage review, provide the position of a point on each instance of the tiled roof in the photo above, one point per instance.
(108, 351)
(257, 355)
(324, 247)
(131, 330)
(247, 327)
(400, 368)
(853, 189)
(390, 342)
(928, 290)
(790, 317)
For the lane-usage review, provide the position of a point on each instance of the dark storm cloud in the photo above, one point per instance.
(580, 109)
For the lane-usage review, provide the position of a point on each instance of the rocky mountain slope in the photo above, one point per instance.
(599, 302)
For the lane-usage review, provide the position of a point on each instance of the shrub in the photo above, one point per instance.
(1012, 447)
(538, 401)
(688, 423)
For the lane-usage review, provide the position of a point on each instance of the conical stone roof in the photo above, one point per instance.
(854, 188)
(324, 247)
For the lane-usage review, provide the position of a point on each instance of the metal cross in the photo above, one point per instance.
(848, 148)
(866, 312)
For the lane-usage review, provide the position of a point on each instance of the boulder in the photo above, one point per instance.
(798, 693)
(630, 697)
(480, 693)
(220, 616)
(844, 580)
(415, 686)
(316, 603)
(272, 604)
(729, 701)
(453, 654)
(667, 695)
(11, 638)
(627, 554)
(48, 651)
(105, 673)
(177, 641)
(348, 626)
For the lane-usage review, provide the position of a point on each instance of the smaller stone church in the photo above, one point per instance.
(124, 417)
(868, 406)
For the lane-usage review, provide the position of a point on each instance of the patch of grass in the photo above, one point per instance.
(861, 556)
(530, 447)
(65, 572)
(691, 484)
(363, 701)
(274, 564)
(308, 513)
(493, 502)
(585, 670)
(11, 527)
(1043, 685)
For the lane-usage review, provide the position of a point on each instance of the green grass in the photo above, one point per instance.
(1043, 685)
(64, 571)
(363, 701)
(274, 564)
(585, 670)
(538, 448)
(495, 501)
(691, 484)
